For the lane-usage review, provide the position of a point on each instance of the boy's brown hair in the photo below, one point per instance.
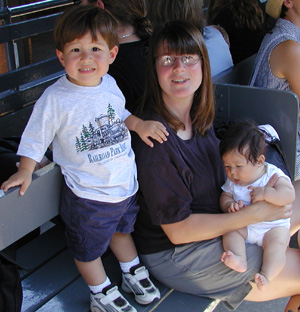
(78, 20)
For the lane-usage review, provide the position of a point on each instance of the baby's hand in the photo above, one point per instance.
(235, 206)
(154, 129)
(257, 194)
(22, 177)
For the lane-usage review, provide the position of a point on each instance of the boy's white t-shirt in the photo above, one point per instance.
(91, 143)
(241, 192)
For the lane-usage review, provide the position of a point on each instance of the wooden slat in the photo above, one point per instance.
(27, 28)
(74, 298)
(19, 99)
(50, 289)
(238, 74)
(34, 254)
(47, 281)
(13, 124)
(19, 215)
(30, 73)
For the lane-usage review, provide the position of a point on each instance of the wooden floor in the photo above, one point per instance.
(52, 282)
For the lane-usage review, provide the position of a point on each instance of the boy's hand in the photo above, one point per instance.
(23, 177)
(154, 129)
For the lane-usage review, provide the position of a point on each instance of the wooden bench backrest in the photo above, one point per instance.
(238, 74)
(266, 106)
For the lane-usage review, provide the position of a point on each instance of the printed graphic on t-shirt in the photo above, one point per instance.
(106, 131)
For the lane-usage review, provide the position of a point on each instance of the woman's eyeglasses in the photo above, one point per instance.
(169, 60)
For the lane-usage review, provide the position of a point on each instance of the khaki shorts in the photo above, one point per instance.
(196, 269)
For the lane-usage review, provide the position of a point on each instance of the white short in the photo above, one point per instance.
(255, 235)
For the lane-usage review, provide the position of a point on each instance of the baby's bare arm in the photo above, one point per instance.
(228, 204)
(281, 194)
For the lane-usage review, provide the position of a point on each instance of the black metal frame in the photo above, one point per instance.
(11, 31)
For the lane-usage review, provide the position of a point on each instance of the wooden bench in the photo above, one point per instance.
(53, 281)
(238, 74)
(54, 284)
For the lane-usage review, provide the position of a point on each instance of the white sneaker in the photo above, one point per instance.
(139, 283)
(110, 300)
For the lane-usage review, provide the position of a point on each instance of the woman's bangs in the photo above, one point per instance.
(178, 44)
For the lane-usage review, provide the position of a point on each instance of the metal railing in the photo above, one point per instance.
(11, 31)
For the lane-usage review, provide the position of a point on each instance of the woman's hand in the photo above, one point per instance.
(263, 211)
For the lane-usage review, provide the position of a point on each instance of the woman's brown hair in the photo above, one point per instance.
(131, 12)
(180, 37)
(161, 11)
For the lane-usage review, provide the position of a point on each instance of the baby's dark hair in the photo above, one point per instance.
(80, 19)
(246, 138)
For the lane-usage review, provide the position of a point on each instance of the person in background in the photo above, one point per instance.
(243, 21)
(180, 223)
(134, 30)
(160, 11)
(277, 64)
(213, 8)
(84, 115)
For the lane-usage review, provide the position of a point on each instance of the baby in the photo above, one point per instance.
(243, 153)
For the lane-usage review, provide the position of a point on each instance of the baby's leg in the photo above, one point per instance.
(235, 252)
(275, 243)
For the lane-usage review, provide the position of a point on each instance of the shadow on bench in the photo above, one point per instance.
(54, 284)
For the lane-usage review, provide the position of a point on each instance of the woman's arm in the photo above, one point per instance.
(285, 63)
(198, 227)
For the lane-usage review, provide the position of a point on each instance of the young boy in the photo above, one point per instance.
(243, 152)
(84, 115)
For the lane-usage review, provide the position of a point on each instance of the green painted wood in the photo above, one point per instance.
(40, 250)
(266, 106)
(19, 215)
(47, 281)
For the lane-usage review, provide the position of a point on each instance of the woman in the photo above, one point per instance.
(180, 221)
(278, 60)
(160, 11)
(134, 30)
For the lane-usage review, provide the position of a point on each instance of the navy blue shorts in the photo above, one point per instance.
(90, 224)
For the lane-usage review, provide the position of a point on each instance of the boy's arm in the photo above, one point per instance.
(22, 177)
(146, 129)
(281, 194)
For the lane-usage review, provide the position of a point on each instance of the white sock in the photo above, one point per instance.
(98, 288)
(126, 266)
